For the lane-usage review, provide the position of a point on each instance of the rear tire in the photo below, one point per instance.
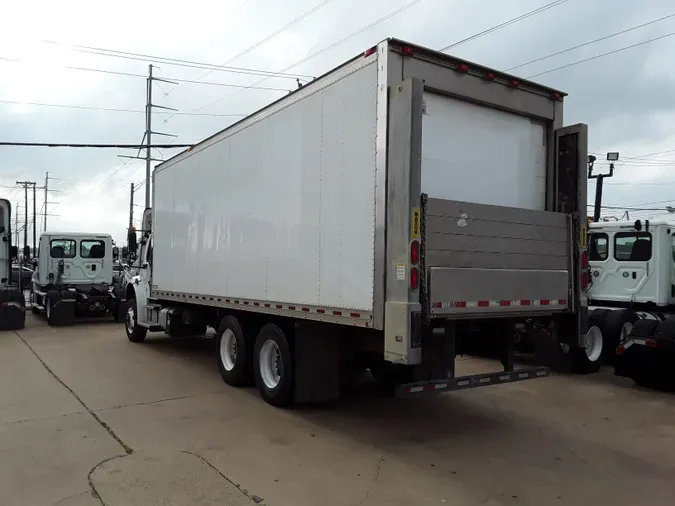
(666, 329)
(618, 326)
(135, 333)
(645, 328)
(235, 358)
(273, 366)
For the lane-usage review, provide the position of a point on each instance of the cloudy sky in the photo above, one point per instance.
(626, 98)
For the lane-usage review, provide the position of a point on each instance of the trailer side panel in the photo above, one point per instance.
(280, 207)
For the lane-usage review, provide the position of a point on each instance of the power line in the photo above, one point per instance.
(103, 146)
(594, 41)
(111, 109)
(178, 62)
(602, 55)
(272, 35)
(131, 74)
(323, 50)
(506, 23)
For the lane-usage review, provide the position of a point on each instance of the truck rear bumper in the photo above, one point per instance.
(471, 381)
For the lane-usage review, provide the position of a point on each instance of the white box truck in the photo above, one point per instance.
(398, 205)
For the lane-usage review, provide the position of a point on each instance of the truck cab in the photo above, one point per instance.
(74, 276)
(632, 264)
(12, 301)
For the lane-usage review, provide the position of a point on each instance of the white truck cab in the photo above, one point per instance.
(632, 264)
(74, 276)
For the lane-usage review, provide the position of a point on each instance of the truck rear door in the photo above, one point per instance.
(490, 246)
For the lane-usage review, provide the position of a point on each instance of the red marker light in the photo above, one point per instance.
(514, 83)
(414, 252)
(463, 67)
(489, 76)
(414, 278)
(557, 96)
(407, 50)
(370, 51)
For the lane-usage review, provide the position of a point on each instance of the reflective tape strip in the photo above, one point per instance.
(461, 304)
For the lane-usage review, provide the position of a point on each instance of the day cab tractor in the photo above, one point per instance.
(632, 297)
(74, 278)
(12, 301)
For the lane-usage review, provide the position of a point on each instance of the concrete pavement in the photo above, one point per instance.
(153, 423)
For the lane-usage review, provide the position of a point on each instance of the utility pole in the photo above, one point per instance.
(25, 185)
(148, 137)
(148, 129)
(16, 226)
(34, 220)
(131, 208)
(45, 212)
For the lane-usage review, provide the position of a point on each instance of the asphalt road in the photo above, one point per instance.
(87, 417)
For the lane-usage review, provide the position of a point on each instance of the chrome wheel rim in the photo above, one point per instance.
(593, 343)
(270, 364)
(131, 320)
(228, 350)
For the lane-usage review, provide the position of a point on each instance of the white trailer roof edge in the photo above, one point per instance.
(397, 44)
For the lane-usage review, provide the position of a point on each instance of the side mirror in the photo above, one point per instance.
(13, 252)
(115, 252)
(132, 240)
(26, 251)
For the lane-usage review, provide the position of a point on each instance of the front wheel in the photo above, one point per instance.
(135, 333)
(273, 366)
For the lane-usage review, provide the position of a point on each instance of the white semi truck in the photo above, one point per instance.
(12, 300)
(395, 207)
(632, 295)
(74, 277)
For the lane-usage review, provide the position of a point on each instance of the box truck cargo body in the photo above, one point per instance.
(390, 204)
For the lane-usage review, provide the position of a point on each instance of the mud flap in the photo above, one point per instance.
(317, 363)
(12, 310)
(63, 308)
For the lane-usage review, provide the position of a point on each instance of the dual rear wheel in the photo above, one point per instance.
(265, 358)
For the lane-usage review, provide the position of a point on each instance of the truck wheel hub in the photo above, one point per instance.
(270, 364)
(228, 350)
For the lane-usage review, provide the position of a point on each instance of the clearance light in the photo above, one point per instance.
(407, 50)
(370, 51)
(463, 67)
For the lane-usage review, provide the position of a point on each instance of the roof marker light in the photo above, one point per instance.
(514, 83)
(407, 50)
(462, 67)
(557, 96)
(489, 76)
(370, 51)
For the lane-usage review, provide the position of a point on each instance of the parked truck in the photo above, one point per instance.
(632, 297)
(74, 277)
(12, 301)
(381, 215)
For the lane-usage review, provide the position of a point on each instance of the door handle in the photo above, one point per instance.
(634, 275)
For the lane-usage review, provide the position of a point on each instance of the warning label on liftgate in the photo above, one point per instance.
(415, 232)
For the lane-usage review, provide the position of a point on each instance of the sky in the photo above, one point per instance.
(626, 98)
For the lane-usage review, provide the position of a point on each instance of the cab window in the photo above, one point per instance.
(633, 246)
(92, 249)
(62, 248)
(598, 247)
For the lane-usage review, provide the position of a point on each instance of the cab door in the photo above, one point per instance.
(629, 273)
(62, 251)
